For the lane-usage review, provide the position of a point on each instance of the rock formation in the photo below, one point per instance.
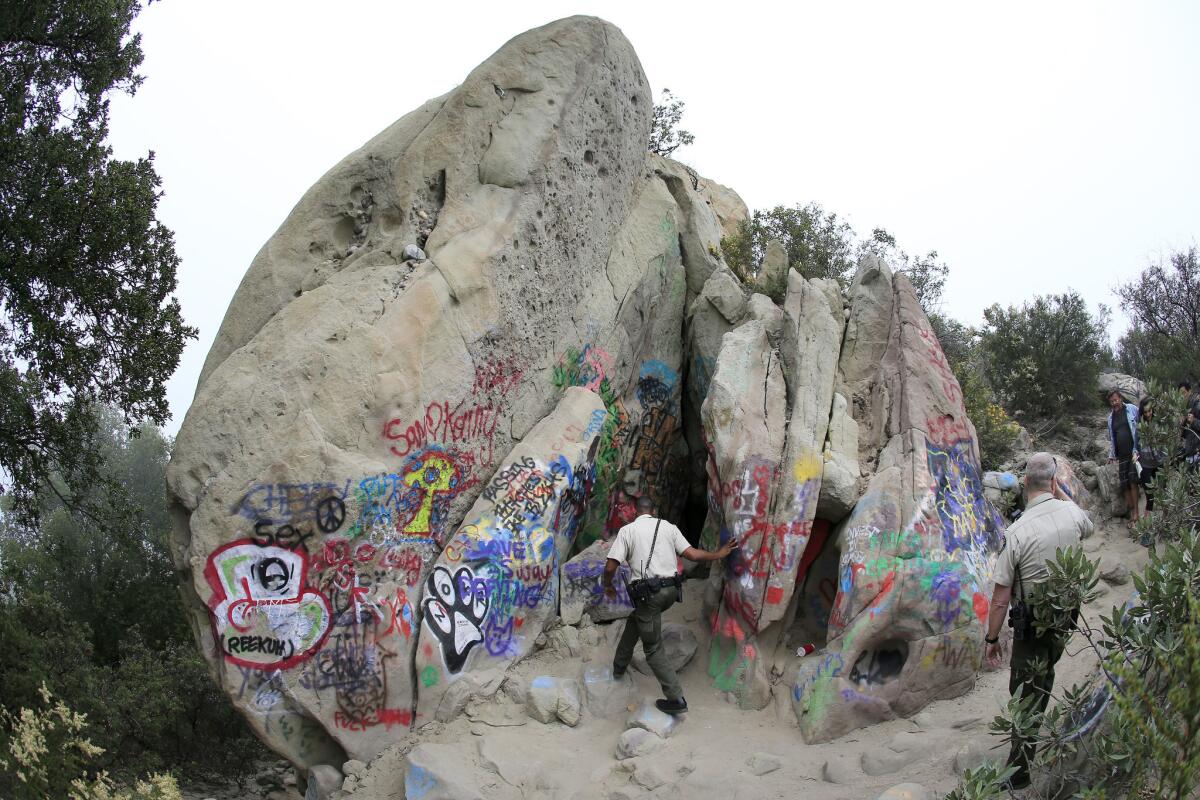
(474, 343)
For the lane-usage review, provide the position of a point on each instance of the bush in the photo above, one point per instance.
(1043, 358)
(817, 243)
(44, 753)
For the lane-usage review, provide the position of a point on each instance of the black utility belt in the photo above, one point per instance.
(659, 583)
(642, 590)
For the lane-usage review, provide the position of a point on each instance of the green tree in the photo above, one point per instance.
(95, 614)
(1163, 303)
(86, 269)
(1043, 357)
(665, 134)
(818, 244)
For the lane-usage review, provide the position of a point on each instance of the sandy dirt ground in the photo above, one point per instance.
(717, 751)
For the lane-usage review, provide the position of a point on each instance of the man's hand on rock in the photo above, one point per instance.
(610, 592)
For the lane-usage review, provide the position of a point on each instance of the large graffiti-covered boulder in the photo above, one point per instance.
(765, 419)
(917, 551)
(495, 587)
(427, 303)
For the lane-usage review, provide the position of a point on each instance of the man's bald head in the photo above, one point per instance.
(1039, 472)
(645, 505)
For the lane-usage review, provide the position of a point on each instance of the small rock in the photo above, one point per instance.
(607, 697)
(924, 720)
(903, 749)
(413, 253)
(350, 784)
(637, 742)
(1114, 572)
(542, 698)
(965, 723)
(650, 775)
(905, 791)
(762, 763)
(479, 729)
(678, 641)
(354, 767)
(975, 753)
(323, 781)
(648, 717)
(839, 771)
(570, 702)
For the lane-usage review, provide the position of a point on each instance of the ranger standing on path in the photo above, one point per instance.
(1050, 522)
(650, 546)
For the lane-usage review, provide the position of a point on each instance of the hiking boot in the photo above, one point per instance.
(672, 706)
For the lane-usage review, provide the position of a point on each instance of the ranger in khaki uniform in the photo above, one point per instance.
(1050, 522)
(650, 546)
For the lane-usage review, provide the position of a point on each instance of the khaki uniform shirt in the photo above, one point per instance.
(1047, 525)
(632, 545)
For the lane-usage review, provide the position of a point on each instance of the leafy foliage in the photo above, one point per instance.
(86, 270)
(95, 615)
(818, 244)
(926, 273)
(44, 753)
(1164, 306)
(665, 134)
(1043, 358)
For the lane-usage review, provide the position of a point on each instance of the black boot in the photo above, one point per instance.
(672, 706)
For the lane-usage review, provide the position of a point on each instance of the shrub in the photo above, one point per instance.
(44, 753)
(1043, 358)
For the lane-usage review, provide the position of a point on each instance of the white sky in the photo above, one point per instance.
(1036, 146)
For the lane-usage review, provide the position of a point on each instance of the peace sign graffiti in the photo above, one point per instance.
(331, 513)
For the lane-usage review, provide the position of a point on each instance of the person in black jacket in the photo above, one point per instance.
(1149, 458)
(1189, 440)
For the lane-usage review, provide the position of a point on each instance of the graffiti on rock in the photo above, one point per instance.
(263, 613)
(454, 608)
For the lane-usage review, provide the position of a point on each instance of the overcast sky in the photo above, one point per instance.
(1038, 147)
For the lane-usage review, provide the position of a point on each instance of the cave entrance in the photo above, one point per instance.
(816, 588)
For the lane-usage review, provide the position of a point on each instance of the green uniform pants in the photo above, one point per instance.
(646, 623)
(1032, 672)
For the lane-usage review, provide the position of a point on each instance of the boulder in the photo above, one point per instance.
(1113, 571)
(637, 742)
(494, 589)
(552, 698)
(323, 781)
(647, 716)
(918, 547)
(1132, 389)
(678, 641)
(762, 763)
(582, 593)
(604, 695)
(765, 418)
